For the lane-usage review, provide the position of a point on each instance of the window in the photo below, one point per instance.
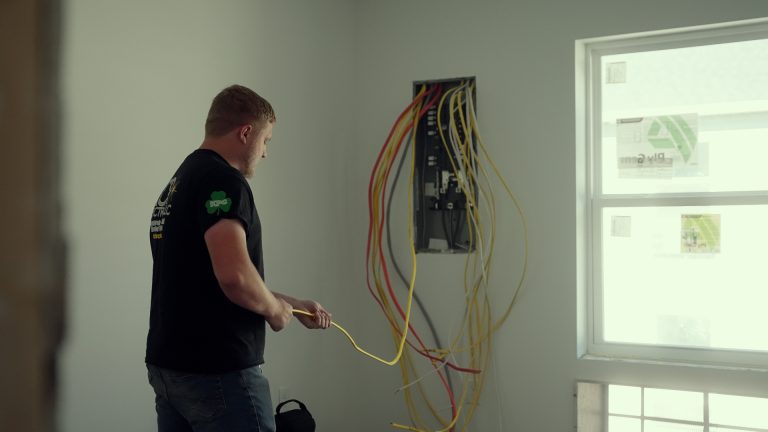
(676, 195)
(619, 408)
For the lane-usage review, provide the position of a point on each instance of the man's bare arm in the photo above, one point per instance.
(239, 278)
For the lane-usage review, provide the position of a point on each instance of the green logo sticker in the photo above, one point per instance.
(218, 202)
(679, 135)
(700, 233)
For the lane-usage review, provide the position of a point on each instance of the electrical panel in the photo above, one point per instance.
(441, 219)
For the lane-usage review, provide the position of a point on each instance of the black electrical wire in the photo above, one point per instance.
(459, 226)
(446, 231)
(400, 273)
(422, 187)
(452, 220)
(423, 202)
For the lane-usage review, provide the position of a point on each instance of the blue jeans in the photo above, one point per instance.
(231, 402)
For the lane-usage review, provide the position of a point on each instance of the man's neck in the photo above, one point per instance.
(223, 149)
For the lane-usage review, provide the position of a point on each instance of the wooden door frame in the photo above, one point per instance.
(32, 275)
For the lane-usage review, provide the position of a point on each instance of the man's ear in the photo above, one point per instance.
(244, 132)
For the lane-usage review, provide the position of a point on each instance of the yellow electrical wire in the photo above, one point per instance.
(407, 315)
(464, 390)
(435, 365)
(346, 333)
(379, 184)
(404, 333)
(414, 413)
(473, 121)
(474, 328)
(477, 323)
(468, 193)
(479, 340)
(495, 326)
(478, 318)
(481, 328)
(379, 176)
(408, 364)
(523, 220)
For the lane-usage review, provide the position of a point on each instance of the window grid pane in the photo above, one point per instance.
(624, 400)
(659, 426)
(738, 411)
(624, 424)
(674, 404)
(701, 109)
(665, 269)
(634, 408)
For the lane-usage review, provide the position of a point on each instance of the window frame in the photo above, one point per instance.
(593, 401)
(591, 200)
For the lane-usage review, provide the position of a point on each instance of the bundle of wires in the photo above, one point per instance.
(472, 342)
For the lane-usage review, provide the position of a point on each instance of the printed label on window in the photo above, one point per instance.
(700, 233)
(659, 146)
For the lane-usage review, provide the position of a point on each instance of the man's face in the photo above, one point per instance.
(257, 147)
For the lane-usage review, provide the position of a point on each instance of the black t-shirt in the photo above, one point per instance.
(193, 326)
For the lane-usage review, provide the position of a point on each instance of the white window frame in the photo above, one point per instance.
(591, 201)
(593, 405)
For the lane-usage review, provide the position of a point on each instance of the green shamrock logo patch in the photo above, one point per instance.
(218, 202)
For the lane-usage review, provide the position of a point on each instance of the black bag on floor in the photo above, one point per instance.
(295, 420)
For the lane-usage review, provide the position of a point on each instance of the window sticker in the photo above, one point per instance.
(700, 233)
(621, 226)
(659, 146)
(616, 73)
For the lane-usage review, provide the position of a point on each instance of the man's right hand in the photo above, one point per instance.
(283, 315)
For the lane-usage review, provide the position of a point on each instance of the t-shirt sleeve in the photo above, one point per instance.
(223, 196)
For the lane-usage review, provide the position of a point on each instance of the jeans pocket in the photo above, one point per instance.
(154, 380)
(198, 397)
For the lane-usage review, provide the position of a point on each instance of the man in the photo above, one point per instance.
(209, 301)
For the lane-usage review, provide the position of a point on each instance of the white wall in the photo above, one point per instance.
(138, 78)
(522, 53)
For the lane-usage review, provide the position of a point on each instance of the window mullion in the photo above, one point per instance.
(681, 200)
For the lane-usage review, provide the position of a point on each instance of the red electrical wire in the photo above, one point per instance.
(370, 192)
(382, 257)
(423, 351)
(380, 224)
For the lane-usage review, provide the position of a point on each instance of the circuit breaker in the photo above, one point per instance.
(442, 175)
